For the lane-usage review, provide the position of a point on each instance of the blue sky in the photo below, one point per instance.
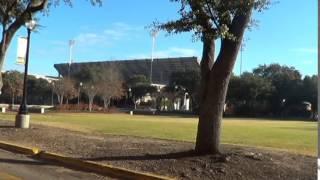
(287, 34)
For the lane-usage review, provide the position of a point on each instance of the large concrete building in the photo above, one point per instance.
(161, 67)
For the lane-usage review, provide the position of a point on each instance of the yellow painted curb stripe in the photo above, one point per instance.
(18, 148)
(101, 168)
(84, 165)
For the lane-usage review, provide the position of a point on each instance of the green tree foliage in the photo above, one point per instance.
(140, 85)
(273, 90)
(39, 91)
(88, 74)
(15, 13)
(249, 94)
(13, 84)
(210, 20)
(105, 82)
(309, 92)
(190, 80)
(285, 81)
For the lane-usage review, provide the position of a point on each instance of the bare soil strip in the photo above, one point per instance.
(163, 157)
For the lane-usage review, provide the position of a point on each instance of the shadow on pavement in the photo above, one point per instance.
(26, 162)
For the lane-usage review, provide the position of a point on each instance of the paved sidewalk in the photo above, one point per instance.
(17, 166)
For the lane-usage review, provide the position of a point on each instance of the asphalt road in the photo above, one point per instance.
(17, 166)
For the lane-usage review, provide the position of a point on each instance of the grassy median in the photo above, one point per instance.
(293, 136)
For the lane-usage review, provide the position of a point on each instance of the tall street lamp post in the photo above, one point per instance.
(23, 118)
(71, 44)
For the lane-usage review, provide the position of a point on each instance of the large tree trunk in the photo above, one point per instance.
(2, 58)
(214, 85)
(6, 38)
(4, 44)
(212, 98)
(210, 115)
(9, 30)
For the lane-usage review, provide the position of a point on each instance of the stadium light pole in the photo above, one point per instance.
(23, 118)
(71, 44)
(154, 34)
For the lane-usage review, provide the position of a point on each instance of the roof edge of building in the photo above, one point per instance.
(130, 60)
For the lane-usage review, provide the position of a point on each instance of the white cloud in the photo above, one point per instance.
(90, 39)
(117, 31)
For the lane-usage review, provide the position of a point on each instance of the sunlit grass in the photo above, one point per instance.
(293, 136)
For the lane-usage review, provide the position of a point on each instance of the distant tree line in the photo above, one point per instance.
(273, 90)
(39, 90)
(269, 90)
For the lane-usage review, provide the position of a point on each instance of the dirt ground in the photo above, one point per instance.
(170, 158)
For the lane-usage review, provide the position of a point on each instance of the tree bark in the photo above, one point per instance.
(214, 85)
(90, 103)
(4, 44)
(106, 103)
(60, 99)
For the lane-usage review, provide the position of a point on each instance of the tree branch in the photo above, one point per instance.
(33, 9)
(202, 17)
(237, 28)
(212, 15)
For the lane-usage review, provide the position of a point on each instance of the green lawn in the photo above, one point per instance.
(293, 136)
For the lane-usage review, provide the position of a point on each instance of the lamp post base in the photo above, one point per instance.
(22, 121)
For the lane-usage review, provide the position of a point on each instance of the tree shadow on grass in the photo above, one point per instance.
(175, 155)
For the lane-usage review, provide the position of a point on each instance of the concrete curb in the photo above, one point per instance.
(100, 168)
(19, 148)
(90, 166)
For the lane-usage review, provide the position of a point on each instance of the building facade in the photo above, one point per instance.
(161, 67)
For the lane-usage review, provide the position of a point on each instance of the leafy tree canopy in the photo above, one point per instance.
(189, 80)
(138, 80)
(211, 18)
